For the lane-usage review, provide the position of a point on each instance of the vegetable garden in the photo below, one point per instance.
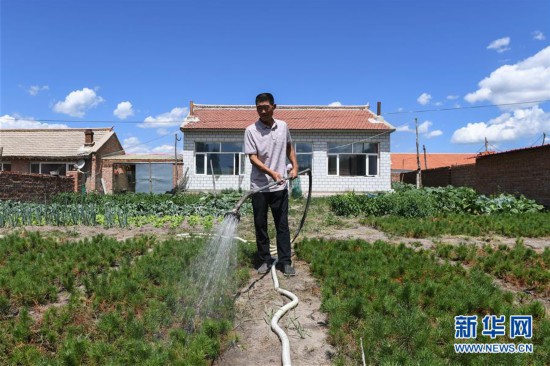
(98, 300)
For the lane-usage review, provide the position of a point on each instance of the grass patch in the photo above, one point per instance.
(532, 225)
(127, 303)
(402, 303)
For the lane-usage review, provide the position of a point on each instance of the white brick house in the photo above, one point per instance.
(347, 147)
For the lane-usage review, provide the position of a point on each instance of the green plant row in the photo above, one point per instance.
(518, 265)
(425, 202)
(115, 212)
(531, 225)
(402, 304)
(99, 301)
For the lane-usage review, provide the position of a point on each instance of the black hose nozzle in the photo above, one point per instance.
(233, 213)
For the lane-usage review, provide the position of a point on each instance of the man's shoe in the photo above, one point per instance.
(288, 270)
(264, 268)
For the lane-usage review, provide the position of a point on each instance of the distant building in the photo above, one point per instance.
(57, 151)
(407, 162)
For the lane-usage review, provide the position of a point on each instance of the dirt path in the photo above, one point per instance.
(305, 325)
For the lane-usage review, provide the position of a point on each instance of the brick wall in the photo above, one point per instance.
(322, 182)
(525, 171)
(519, 172)
(463, 175)
(438, 177)
(32, 187)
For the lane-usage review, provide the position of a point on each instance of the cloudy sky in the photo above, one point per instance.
(467, 70)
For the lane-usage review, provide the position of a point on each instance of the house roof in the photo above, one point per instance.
(407, 161)
(238, 117)
(51, 143)
(521, 149)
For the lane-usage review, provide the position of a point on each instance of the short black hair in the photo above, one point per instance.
(265, 97)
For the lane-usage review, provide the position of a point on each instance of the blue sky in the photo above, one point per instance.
(136, 64)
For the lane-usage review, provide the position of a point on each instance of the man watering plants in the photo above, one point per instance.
(268, 143)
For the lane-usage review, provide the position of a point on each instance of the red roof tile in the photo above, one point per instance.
(407, 161)
(297, 117)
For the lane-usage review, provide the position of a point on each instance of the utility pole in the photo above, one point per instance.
(425, 158)
(486, 144)
(543, 140)
(176, 159)
(418, 171)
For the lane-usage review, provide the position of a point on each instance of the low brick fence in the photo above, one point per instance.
(518, 172)
(33, 187)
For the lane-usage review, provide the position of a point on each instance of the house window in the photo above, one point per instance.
(304, 154)
(357, 159)
(5, 167)
(225, 158)
(52, 168)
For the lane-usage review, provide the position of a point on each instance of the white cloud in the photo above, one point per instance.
(164, 149)
(78, 102)
(528, 80)
(538, 35)
(424, 98)
(423, 129)
(452, 97)
(8, 122)
(35, 89)
(132, 145)
(168, 119)
(506, 127)
(124, 110)
(500, 45)
(439, 104)
(404, 128)
(335, 104)
(434, 133)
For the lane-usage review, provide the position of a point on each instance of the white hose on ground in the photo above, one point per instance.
(274, 326)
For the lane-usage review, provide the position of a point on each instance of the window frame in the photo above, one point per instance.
(351, 151)
(303, 153)
(69, 167)
(2, 164)
(238, 166)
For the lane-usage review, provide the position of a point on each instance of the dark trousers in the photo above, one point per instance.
(278, 202)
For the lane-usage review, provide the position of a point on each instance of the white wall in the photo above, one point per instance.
(322, 182)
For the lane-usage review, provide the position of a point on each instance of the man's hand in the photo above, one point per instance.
(277, 177)
(293, 173)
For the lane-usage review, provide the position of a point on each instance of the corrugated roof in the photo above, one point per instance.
(407, 161)
(226, 117)
(51, 143)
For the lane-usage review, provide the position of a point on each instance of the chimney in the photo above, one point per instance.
(191, 107)
(88, 137)
(378, 108)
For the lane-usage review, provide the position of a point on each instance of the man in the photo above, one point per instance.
(268, 143)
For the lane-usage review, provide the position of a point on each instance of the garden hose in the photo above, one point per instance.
(282, 311)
